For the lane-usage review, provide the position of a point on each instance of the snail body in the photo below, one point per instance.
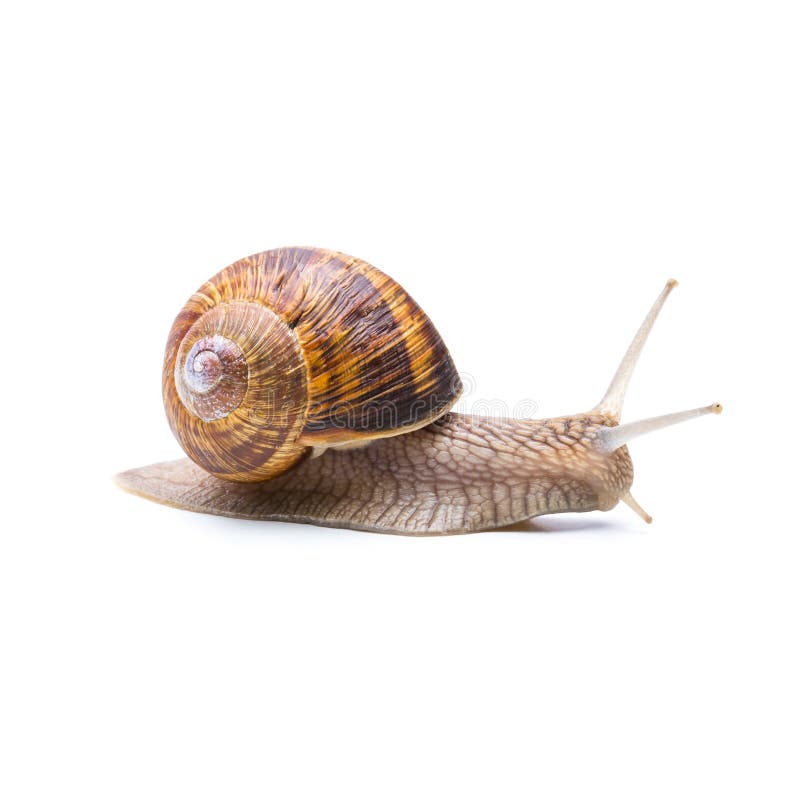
(307, 386)
(460, 473)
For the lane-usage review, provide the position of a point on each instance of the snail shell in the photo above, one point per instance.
(294, 349)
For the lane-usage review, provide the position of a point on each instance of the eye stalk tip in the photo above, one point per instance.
(715, 408)
(627, 498)
(672, 283)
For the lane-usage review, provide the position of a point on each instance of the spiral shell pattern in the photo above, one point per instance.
(294, 348)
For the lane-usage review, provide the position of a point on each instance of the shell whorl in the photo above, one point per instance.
(294, 348)
(238, 395)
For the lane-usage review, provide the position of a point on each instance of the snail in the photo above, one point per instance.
(307, 386)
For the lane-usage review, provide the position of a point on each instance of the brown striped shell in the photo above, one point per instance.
(298, 348)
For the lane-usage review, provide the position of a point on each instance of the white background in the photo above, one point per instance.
(531, 173)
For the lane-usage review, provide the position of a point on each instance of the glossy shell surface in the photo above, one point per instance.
(294, 348)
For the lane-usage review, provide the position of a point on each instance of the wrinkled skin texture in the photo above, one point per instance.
(459, 474)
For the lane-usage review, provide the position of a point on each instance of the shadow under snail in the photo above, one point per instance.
(307, 386)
